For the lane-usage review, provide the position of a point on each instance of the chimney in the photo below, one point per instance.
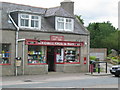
(68, 5)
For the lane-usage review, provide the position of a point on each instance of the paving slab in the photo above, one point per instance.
(98, 74)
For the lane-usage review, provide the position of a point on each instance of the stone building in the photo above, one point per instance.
(38, 40)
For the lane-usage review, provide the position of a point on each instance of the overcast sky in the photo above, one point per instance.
(91, 10)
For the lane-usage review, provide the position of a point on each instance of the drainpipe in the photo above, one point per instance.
(88, 49)
(23, 57)
(23, 47)
(16, 43)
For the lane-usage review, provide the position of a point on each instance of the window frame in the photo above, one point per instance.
(29, 21)
(77, 51)
(8, 45)
(64, 21)
(42, 54)
(77, 56)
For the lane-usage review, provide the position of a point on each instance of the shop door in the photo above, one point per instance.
(54, 56)
(50, 58)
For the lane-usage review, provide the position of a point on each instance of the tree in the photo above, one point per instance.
(99, 31)
(112, 41)
(80, 19)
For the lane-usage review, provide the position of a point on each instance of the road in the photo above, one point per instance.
(76, 80)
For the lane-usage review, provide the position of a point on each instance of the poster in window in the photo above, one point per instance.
(59, 58)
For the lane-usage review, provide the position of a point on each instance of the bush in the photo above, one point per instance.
(114, 60)
(114, 57)
(92, 57)
(108, 58)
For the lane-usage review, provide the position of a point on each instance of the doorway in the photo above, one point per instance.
(54, 55)
(50, 58)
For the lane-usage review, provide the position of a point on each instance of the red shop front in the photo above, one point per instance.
(53, 52)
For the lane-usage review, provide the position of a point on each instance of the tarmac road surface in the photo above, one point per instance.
(61, 80)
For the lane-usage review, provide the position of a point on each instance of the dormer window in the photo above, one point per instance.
(34, 21)
(64, 24)
(24, 20)
(29, 21)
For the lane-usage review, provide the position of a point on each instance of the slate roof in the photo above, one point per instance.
(45, 12)
(57, 11)
(8, 7)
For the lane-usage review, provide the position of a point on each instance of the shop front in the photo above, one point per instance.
(55, 54)
(36, 41)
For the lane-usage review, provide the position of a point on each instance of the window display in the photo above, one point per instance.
(59, 55)
(5, 54)
(36, 54)
(67, 55)
(71, 54)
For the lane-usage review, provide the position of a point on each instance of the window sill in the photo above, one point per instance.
(37, 64)
(72, 63)
(5, 64)
(59, 63)
(61, 30)
(29, 28)
(69, 63)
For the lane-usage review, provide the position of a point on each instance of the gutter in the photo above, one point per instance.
(17, 36)
(16, 44)
(20, 40)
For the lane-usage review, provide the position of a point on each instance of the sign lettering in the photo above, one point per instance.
(54, 43)
(56, 38)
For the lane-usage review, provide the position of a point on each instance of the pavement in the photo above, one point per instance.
(54, 77)
(98, 74)
(51, 76)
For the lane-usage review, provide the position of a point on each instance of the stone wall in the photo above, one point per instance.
(100, 53)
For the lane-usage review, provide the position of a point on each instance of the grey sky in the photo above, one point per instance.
(91, 10)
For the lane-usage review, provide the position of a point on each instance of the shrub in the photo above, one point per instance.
(92, 57)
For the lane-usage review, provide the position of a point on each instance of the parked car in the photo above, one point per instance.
(115, 70)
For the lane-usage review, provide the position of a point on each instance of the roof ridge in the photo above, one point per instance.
(53, 7)
(22, 4)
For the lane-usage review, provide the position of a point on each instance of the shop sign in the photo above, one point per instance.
(54, 43)
(56, 38)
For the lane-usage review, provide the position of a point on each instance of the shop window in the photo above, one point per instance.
(59, 55)
(36, 55)
(64, 24)
(72, 55)
(29, 21)
(5, 54)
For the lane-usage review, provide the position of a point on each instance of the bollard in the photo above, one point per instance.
(98, 68)
(91, 68)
